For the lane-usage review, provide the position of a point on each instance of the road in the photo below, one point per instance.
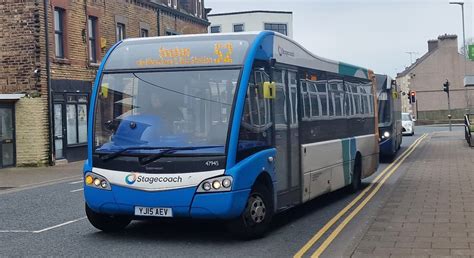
(50, 220)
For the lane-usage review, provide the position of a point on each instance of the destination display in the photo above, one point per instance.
(160, 54)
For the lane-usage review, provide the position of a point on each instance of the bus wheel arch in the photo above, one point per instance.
(258, 212)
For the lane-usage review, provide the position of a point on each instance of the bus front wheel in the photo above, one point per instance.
(107, 223)
(257, 215)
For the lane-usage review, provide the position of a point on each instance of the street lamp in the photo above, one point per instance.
(466, 54)
(463, 31)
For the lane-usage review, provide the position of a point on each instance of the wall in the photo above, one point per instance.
(31, 131)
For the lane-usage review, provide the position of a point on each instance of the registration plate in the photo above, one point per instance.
(153, 212)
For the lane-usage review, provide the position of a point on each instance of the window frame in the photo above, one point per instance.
(92, 38)
(143, 30)
(272, 24)
(76, 104)
(238, 24)
(59, 32)
(120, 33)
(215, 26)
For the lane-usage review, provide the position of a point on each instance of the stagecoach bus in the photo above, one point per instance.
(389, 115)
(235, 127)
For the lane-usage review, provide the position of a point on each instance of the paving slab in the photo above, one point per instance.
(431, 210)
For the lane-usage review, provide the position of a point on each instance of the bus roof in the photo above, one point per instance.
(222, 49)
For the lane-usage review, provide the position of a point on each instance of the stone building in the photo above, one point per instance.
(426, 77)
(44, 92)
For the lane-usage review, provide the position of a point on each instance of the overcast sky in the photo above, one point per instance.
(372, 33)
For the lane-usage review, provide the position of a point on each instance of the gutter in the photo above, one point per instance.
(48, 80)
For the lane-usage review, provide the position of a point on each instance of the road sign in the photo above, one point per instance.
(471, 52)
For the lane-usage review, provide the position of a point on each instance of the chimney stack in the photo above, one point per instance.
(432, 45)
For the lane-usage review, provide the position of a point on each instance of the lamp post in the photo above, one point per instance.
(463, 30)
(466, 55)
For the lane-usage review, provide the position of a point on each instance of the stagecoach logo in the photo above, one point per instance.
(212, 163)
(282, 51)
(135, 177)
(131, 178)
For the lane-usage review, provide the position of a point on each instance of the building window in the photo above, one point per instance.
(215, 29)
(171, 33)
(277, 27)
(76, 119)
(120, 31)
(92, 30)
(238, 27)
(59, 32)
(143, 33)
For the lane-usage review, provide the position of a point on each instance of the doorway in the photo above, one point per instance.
(7, 135)
(287, 138)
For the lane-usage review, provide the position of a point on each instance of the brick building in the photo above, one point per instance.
(43, 112)
(427, 75)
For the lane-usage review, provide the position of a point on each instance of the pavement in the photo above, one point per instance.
(24, 177)
(430, 212)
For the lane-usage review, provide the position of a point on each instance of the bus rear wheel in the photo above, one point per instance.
(356, 183)
(105, 222)
(257, 215)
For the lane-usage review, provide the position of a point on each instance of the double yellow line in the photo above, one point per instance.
(376, 185)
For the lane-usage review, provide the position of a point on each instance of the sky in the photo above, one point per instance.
(376, 34)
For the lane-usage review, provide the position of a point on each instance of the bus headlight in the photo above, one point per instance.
(96, 181)
(386, 134)
(217, 184)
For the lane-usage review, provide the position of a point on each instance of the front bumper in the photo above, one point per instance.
(184, 202)
(407, 130)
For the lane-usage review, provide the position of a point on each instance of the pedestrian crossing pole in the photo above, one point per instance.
(446, 89)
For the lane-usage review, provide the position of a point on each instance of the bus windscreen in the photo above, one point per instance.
(164, 109)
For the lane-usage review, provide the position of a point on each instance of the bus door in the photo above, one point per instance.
(287, 138)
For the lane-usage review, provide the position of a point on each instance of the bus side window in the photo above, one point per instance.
(256, 125)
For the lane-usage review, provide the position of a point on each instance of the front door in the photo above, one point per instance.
(7, 136)
(287, 138)
(59, 131)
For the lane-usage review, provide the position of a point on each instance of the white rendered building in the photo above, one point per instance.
(252, 21)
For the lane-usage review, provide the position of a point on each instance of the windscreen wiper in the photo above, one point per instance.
(166, 151)
(109, 156)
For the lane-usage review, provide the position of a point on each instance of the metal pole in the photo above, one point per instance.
(464, 33)
(449, 113)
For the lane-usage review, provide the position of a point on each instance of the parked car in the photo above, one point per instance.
(408, 124)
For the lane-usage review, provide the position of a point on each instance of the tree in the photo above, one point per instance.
(469, 41)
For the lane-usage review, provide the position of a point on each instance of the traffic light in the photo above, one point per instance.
(412, 96)
(446, 86)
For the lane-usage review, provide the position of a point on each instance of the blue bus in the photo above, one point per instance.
(235, 127)
(389, 115)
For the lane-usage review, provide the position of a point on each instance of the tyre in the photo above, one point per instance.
(471, 139)
(107, 223)
(356, 183)
(255, 219)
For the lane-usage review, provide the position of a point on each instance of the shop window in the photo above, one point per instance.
(76, 119)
